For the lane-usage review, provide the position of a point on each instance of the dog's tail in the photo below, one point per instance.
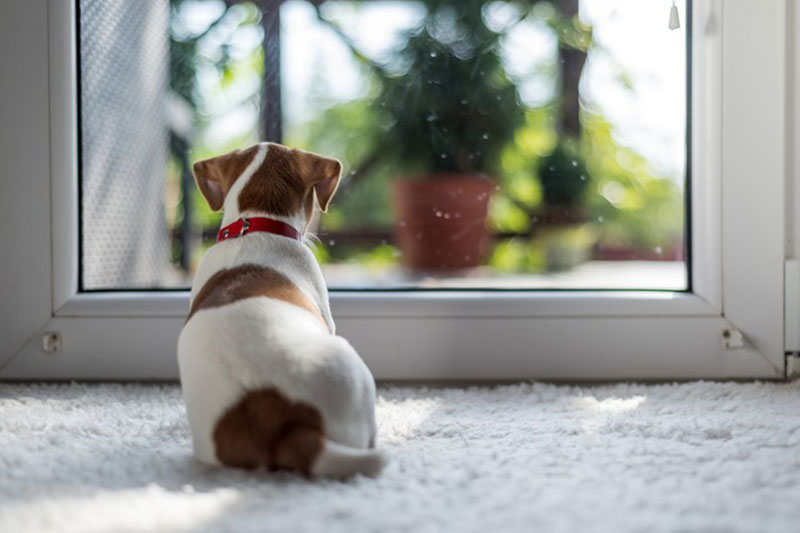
(339, 461)
(266, 429)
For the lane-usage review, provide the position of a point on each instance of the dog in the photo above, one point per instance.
(266, 381)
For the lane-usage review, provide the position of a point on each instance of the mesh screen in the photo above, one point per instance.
(124, 62)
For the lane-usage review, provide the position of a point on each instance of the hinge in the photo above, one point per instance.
(791, 317)
(732, 339)
(792, 365)
(791, 306)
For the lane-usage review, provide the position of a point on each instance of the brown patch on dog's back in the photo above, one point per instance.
(249, 281)
(265, 428)
(276, 187)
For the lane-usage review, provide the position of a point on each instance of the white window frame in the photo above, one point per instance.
(740, 237)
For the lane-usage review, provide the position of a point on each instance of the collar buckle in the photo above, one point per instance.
(245, 226)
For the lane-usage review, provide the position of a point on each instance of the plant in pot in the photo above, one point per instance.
(454, 108)
(451, 108)
(562, 220)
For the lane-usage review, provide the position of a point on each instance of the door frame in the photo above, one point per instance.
(739, 225)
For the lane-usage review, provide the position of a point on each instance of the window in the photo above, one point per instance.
(740, 201)
(487, 144)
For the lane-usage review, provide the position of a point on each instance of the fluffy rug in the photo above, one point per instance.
(533, 457)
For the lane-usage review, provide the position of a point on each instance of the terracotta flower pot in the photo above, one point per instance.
(441, 221)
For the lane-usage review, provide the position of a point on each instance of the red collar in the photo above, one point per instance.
(243, 226)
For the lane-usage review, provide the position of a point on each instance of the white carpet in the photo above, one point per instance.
(693, 457)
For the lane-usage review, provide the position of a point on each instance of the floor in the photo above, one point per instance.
(530, 457)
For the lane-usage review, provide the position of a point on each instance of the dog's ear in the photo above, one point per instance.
(215, 176)
(322, 174)
(207, 177)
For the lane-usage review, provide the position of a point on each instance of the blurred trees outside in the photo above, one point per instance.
(212, 74)
(557, 153)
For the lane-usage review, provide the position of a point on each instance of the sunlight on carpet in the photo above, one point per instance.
(528, 457)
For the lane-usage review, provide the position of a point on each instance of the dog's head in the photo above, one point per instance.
(268, 179)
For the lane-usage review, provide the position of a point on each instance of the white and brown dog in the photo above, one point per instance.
(266, 381)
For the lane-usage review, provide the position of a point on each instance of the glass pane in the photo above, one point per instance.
(486, 144)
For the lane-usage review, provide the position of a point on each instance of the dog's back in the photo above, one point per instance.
(271, 390)
(266, 382)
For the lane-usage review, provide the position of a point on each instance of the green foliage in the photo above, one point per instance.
(382, 255)
(521, 192)
(517, 255)
(506, 215)
(376, 257)
(571, 32)
(454, 108)
(563, 176)
(188, 57)
(446, 100)
(321, 253)
(632, 206)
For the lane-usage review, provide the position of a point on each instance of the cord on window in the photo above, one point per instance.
(674, 19)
